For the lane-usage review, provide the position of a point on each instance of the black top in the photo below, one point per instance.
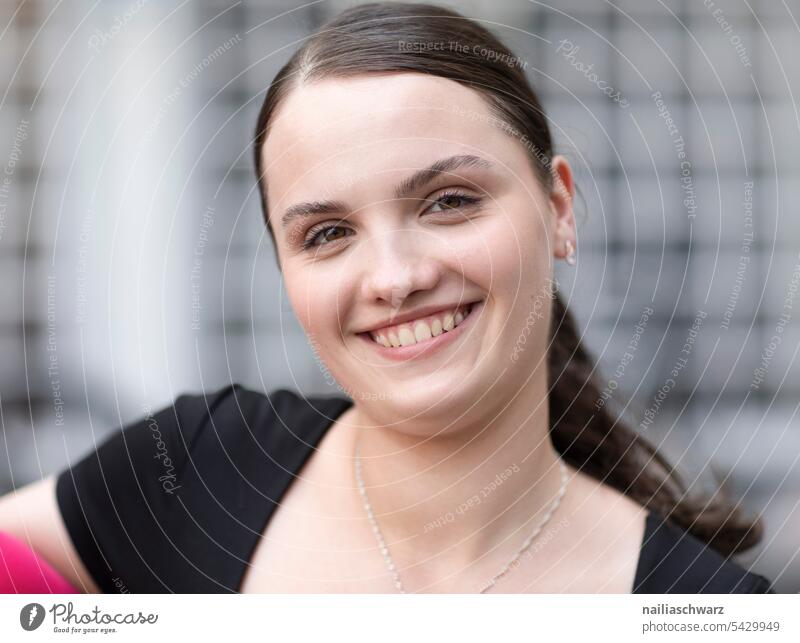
(177, 501)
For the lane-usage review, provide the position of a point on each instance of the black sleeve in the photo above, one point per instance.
(117, 500)
(760, 585)
(674, 561)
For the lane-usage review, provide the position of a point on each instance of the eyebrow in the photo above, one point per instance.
(401, 191)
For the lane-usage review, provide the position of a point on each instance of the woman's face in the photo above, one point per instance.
(399, 198)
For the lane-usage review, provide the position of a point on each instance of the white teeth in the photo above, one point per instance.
(422, 331)
(406, 337)
(449, 322)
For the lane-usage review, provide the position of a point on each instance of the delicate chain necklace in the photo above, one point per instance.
(385, 550)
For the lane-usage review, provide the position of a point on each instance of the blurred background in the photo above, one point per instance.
(136, 265)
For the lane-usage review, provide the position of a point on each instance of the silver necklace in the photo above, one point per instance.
(388, 557)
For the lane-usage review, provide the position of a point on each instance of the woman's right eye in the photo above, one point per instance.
(321, 232)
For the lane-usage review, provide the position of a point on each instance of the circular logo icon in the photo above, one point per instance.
(31, 616)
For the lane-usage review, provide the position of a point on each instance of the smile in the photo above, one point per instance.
(421, 336)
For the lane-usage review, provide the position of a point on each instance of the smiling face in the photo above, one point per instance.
(398, 205)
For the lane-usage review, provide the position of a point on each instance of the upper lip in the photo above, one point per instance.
(416, 314)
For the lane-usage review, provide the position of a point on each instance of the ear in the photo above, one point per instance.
(561, 198)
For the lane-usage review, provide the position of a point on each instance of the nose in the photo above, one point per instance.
(398, 264)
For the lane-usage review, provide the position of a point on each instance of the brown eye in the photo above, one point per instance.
(327, 234)
(452, 201)
(330, 233)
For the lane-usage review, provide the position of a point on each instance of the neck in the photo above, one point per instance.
(465, 500)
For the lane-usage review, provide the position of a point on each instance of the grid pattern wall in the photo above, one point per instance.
(137, 265)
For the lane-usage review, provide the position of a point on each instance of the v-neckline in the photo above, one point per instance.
(343, 404)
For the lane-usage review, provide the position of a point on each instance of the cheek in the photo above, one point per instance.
(514, 267)
(514, 254)
(314, 306)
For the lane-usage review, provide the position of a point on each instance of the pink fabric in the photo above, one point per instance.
(23, 571)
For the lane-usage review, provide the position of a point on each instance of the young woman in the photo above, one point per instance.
(409, 185)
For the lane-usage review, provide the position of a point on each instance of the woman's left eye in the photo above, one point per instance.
(452, 201)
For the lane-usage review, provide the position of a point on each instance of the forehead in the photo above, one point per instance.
(329, 133)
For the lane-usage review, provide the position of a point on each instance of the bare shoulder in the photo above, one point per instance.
(609, 527)
(31, 514)
(601, 503)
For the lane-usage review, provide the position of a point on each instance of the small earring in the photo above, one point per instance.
(570, 258)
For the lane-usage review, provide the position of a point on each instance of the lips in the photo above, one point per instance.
(425, 339)
(421, 329)
(415, 315)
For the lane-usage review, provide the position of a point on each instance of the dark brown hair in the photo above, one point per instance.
(389, 37)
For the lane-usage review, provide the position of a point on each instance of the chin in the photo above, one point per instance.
(424, 408)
